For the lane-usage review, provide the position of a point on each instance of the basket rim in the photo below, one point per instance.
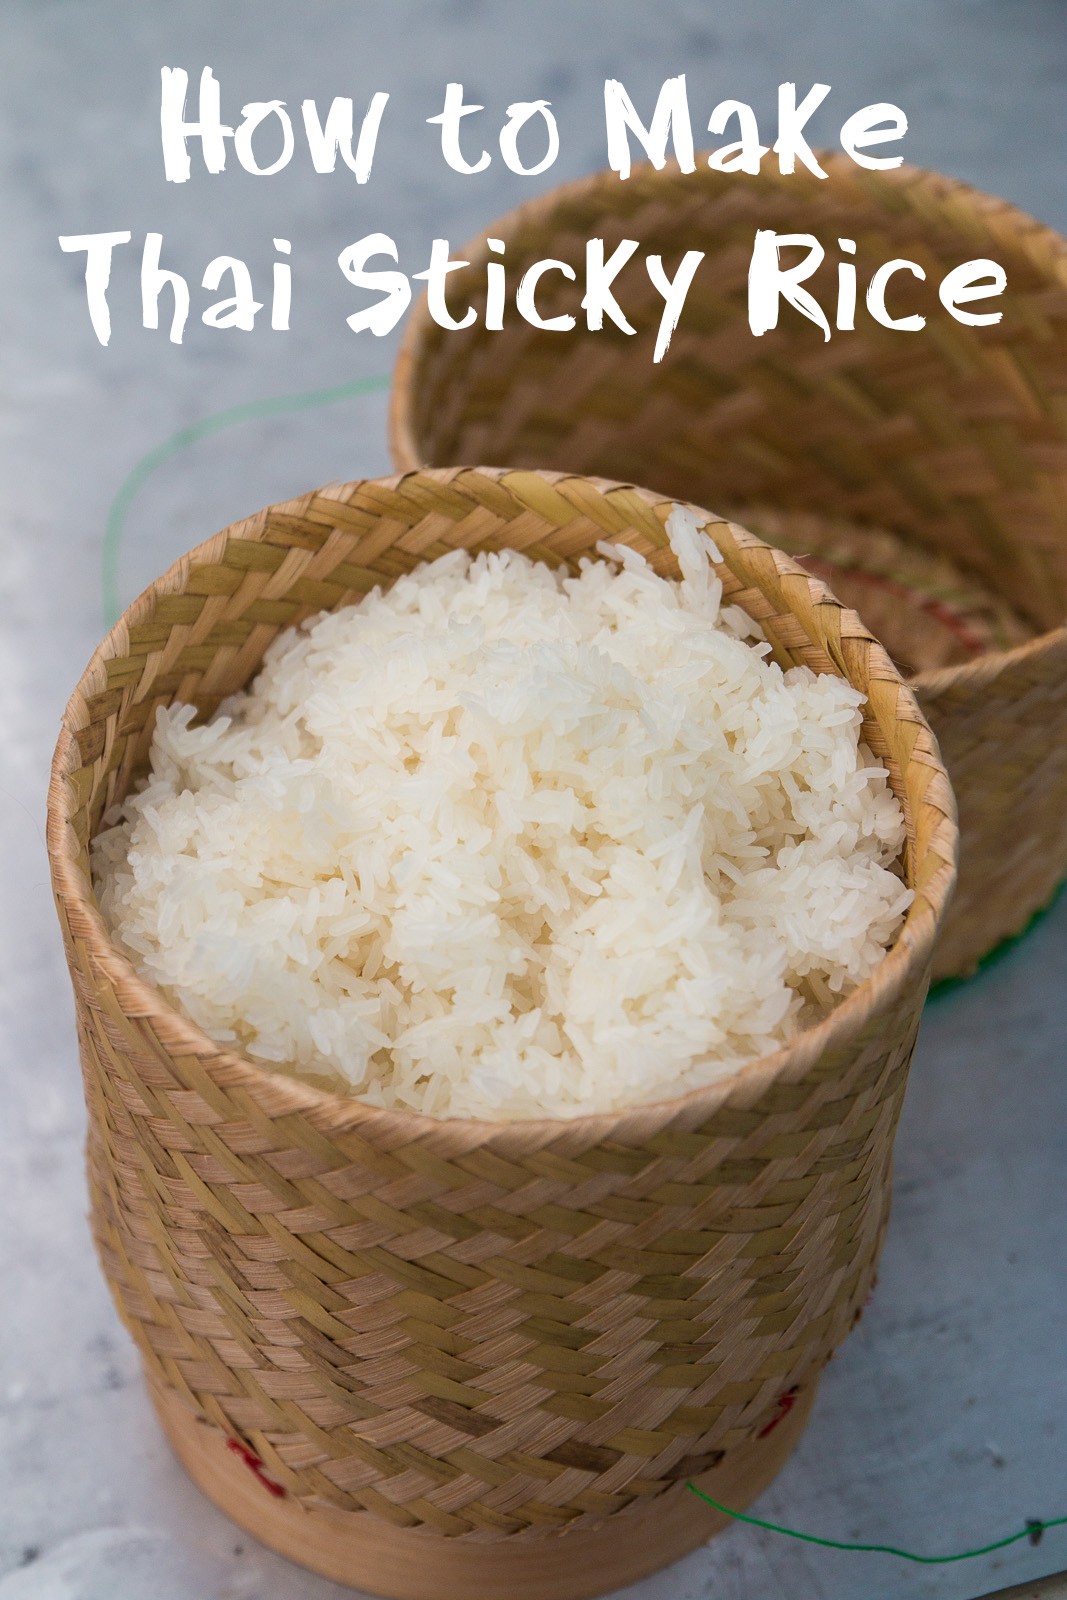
(338, 1112)
(419, 326)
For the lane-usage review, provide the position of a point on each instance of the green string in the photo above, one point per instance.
(1032, 1531)
(138, 477)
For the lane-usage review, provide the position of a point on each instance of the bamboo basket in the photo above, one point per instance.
(455, 1357)
(954, 438)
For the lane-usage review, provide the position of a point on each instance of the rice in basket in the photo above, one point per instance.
(502, 842)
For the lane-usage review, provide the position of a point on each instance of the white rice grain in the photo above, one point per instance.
(503, 842)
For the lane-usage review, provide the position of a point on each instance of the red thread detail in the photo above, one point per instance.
(940, 610)
(786, 1402)
(255, 1467)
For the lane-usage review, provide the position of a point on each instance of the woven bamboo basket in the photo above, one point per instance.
(455, 1357)
(954, 438)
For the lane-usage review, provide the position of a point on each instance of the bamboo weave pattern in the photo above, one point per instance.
(481, 1330)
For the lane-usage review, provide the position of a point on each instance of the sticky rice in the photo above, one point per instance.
(505, 841)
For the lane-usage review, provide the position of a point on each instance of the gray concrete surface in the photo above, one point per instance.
(942, 1423)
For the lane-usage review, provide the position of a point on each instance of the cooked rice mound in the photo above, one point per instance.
(505, 842)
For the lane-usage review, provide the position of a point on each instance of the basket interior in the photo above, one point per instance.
(928, 611)
(956, 438)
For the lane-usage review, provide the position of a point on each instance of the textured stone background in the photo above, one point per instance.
(942, 1422)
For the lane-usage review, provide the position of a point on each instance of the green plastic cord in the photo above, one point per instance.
(1032, 1531)
(138, 477)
